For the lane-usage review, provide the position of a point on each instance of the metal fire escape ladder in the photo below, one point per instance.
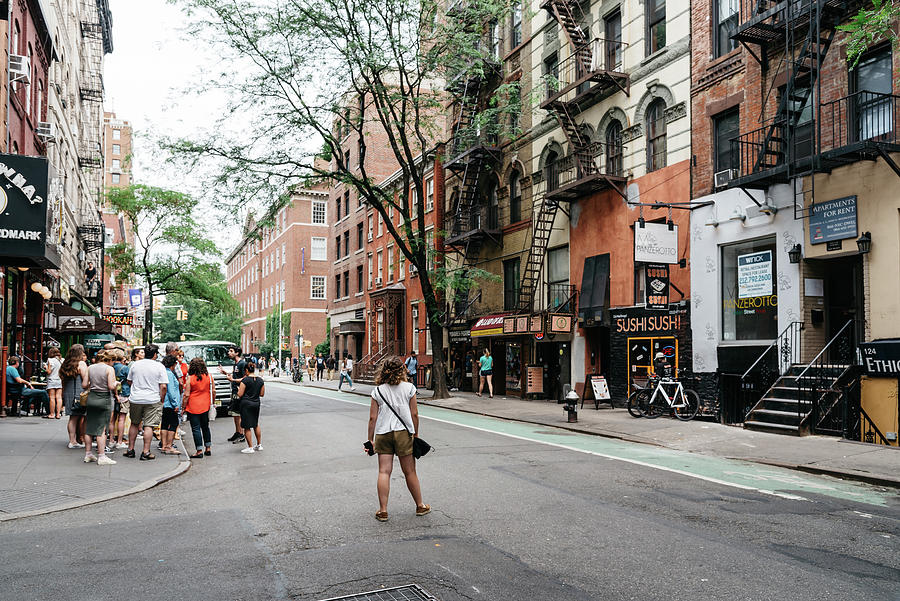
(564, 11)
(540, 237)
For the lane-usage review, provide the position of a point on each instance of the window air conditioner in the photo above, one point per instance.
(378, 281)
(46, 131)
(723, 177)
(19, 68)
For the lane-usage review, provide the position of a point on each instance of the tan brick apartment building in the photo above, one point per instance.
(290, 260)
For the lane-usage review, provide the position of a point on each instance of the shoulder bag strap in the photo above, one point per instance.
(384, 400)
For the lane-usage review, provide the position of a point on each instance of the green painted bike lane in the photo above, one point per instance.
(780, 482)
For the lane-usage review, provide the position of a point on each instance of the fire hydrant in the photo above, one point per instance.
(571, 406)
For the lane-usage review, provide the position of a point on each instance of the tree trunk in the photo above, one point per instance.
(439, 367)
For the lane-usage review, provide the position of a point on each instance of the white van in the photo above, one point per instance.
(215, 354)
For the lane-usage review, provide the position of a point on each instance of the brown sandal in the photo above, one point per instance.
(381, 516)
(423, 510)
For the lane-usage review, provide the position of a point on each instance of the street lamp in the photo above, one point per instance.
(864, 243)
(795, 253)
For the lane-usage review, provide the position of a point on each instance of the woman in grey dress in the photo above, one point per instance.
(73, 372)
(100, 382)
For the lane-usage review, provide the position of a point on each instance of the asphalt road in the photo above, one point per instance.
(518, 515)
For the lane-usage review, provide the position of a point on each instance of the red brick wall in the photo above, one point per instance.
(22, 121)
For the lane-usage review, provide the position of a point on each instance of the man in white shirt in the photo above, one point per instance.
(148, 380)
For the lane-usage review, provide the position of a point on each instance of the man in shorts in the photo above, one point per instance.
(237, 374)
(148, 381)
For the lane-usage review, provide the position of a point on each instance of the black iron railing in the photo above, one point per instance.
(466, 140)
(477, 219)
(562, 298)
(598, 55)
(860, 117)
(592, 161)
(818, 384)
(867, 431)
(759, 150)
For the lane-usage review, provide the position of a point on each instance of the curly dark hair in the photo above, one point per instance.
(392, 371)
(197, 367)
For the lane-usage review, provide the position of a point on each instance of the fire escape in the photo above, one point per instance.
(90, 152)
(591, 69)
(806, 136)
(472, 150)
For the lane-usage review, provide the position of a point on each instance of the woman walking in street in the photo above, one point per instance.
(392, 434)
(171, 407)
(72, 374)
(54, 383)
(346, 371)
(251, 391)
(100, 382)
(198, 400)
(486, 368)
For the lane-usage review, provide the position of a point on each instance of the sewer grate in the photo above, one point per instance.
(409, 592)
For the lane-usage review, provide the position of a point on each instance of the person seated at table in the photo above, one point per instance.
(14, 385)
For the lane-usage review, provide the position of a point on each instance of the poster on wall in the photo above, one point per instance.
(657, 285)
(755, 274)
(655, 243)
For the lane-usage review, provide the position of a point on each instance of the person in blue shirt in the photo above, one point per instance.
(486, 366)
(412, 367)
(122, 404)
(171, 407)
(14, 383)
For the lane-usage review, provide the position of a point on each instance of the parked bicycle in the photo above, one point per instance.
(664, 396)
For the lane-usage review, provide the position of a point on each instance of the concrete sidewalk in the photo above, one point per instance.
(40, 474)
(872, 463)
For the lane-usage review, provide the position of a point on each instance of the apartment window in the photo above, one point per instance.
(337, 286)
(511, 284)
(558, 276)
(614, 150)
(874, 108)
(725, 127)
(319, 249)
(612, 26)
(337, 208)
(402, 262)
(415, 327)
(337, 248)
(380, 225)
(359, 236)
(317, 287)
(283, 253)
(656, 25)
(359, 279)
(380, 265)
(515, 25)
(551, 71)
(347, 243)
(318, 212)
(116, 178)
(371, 228)
(515, 197)
(116, 164)
(346, 283)
(429, 248)
(656, 135)
(429, 195)
(347, 202)
(371, 270)
(725, 16)
(495, 40)
(117, 134)
(117, 149)
(39, 107)
(390, 264)
(551, 171)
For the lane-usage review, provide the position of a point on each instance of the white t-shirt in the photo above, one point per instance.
(348, 366)
(146, 375)
(398, 396)
(55, 364)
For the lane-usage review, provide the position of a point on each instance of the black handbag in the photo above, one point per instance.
(420, 447)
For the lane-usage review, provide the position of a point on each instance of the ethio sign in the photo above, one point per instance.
(655, 243)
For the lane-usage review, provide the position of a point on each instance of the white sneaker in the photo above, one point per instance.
(105, 461)
(121, 445)
(248, 450)
(89, 458)
(258, 447)
(76, 445)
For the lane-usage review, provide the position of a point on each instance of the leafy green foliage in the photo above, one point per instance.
(270, 347)
(869, 26)
(206, 320)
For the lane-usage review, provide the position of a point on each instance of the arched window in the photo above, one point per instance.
(28, 84)
(551, 170)
(614, 151)
(493, 208)
(39, 102)
(656, 135)
(515, 197)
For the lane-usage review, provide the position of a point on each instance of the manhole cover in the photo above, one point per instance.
(410, 592)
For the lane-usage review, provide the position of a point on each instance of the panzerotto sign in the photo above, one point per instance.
(655, 243)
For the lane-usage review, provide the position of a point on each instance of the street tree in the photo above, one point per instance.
(205, 321)
(872, 24)
(322, 78)
(171, 253)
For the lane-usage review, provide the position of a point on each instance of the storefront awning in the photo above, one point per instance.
(594, 288)
(490, 325)
(73, 321)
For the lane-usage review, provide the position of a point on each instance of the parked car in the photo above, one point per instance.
(214, 353)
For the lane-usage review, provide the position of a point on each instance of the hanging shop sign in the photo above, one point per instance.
(537, 324)
(118, 319)
(135, 297)
(657, 285)
(27, 228)
(509, 325)
(561, 323)
(490, 325)
(655, 243)
(881, 358)
(534, 379)
(755, 274)
(832, 220)
(98, 341)
(457, 335)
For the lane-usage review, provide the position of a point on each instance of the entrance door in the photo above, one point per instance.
(844, 299)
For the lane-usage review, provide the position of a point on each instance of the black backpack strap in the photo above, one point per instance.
(384, 400)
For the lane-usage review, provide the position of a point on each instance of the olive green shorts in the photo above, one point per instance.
(399, 443)
(150, 414)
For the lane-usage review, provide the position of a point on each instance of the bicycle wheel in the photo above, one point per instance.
(650, 409)
(632, 404)
(691, 406)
